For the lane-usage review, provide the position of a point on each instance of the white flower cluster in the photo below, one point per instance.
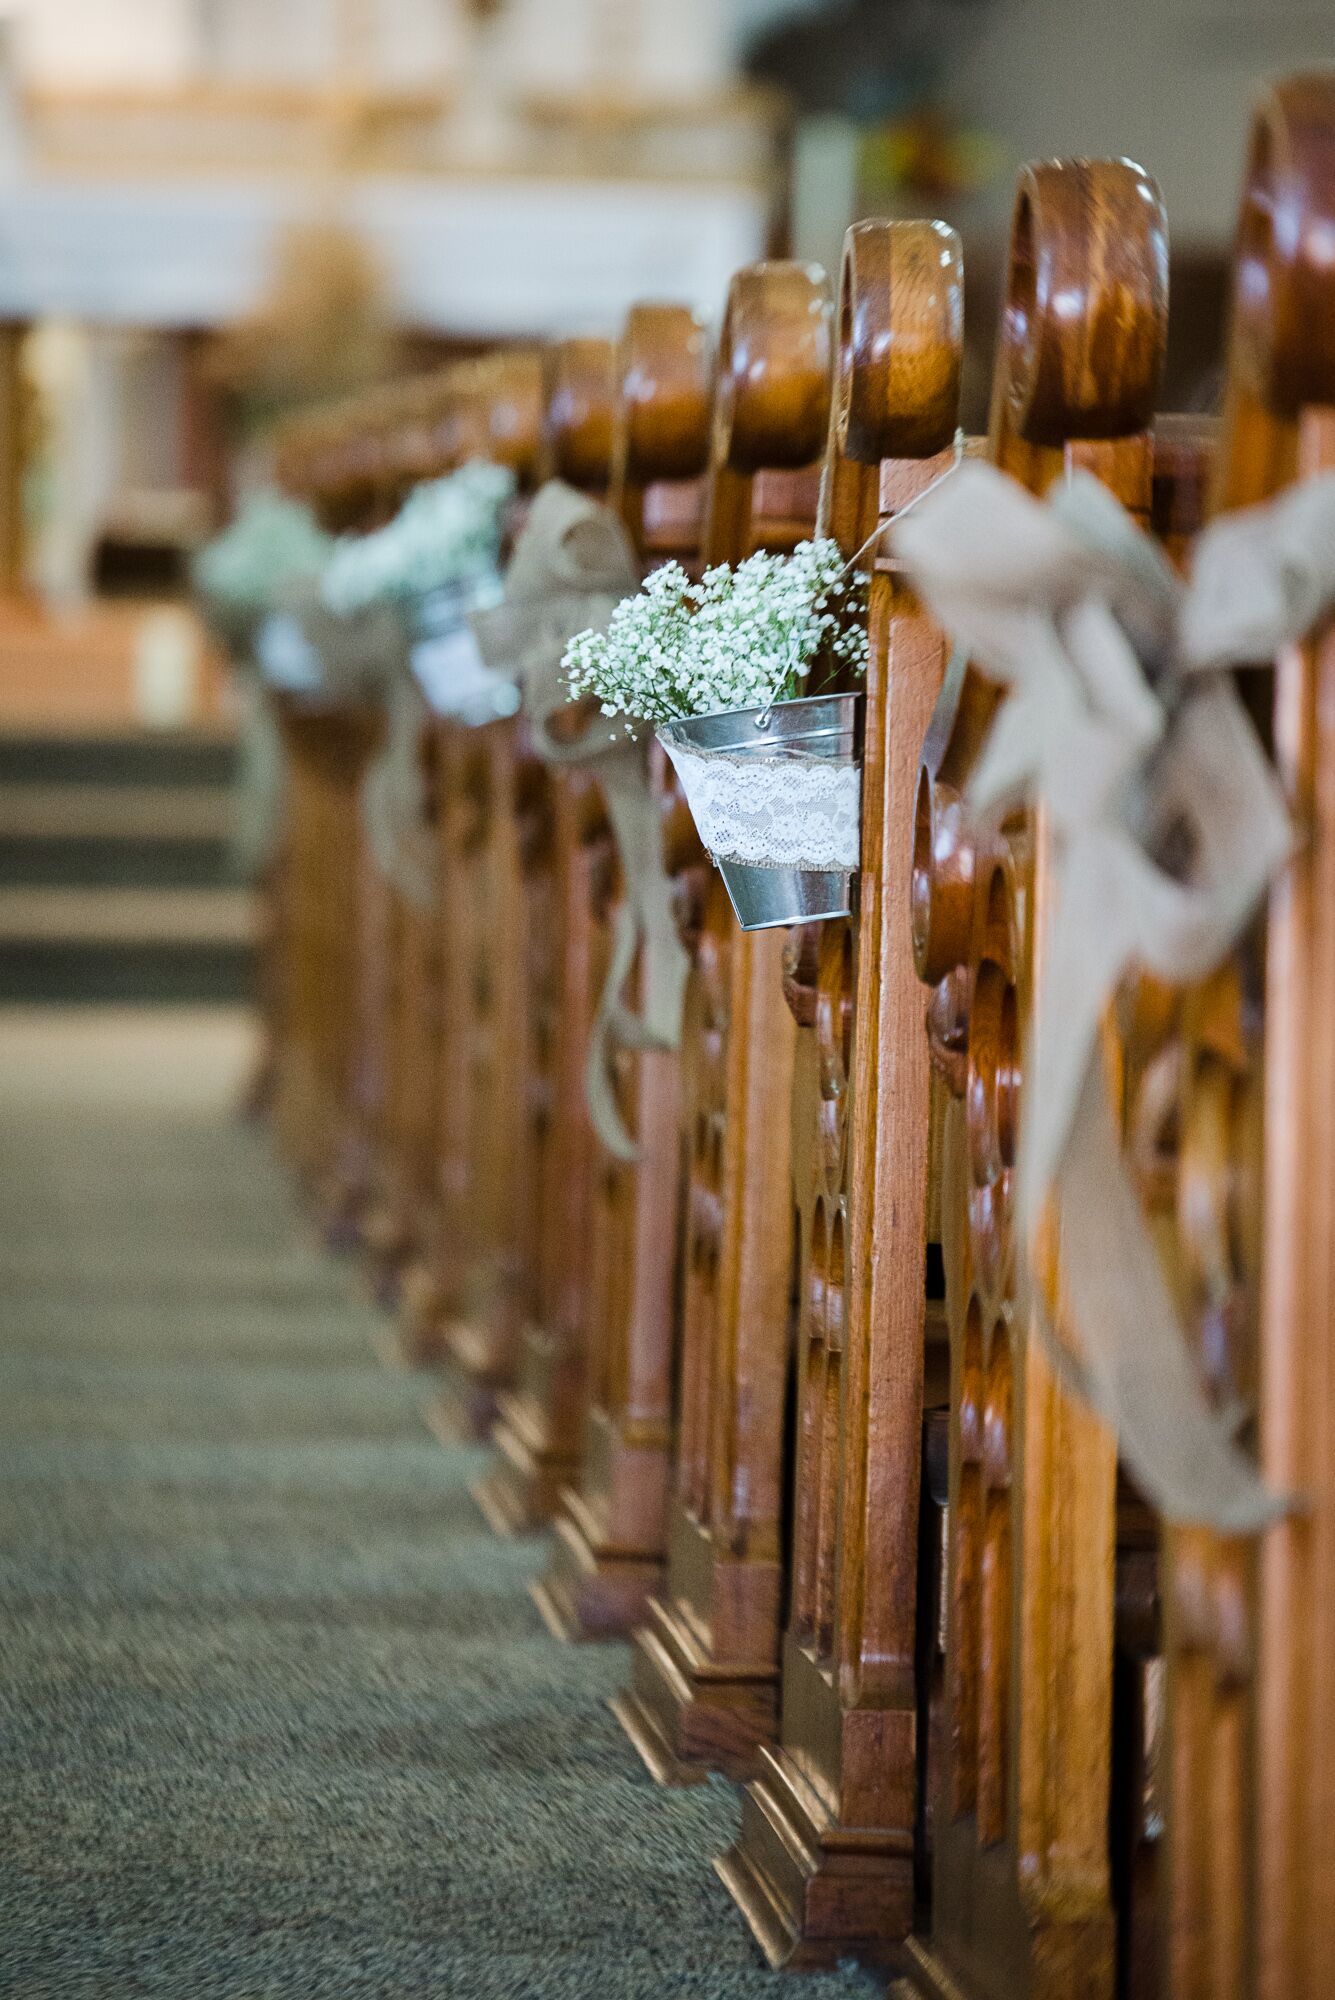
(447, 532)
(271, 542)
(740, 638)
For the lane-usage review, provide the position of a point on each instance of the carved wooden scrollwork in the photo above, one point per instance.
(1021, 1782)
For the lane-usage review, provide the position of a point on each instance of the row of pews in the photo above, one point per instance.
(768, 1386)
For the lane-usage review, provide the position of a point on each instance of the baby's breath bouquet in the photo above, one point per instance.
(743, 637)
(734, 671)
(242, 573)
(446, 536)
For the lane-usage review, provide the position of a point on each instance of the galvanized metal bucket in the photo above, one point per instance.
(449, 665)
(776, 795)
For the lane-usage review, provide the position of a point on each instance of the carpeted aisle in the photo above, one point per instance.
(276, 1714)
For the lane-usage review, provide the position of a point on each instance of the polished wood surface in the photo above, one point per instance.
(538, 1437)
(1001, 1729)
(451, 962)
(1229, 1129)
(610, 1539)
(560, 872)
(704, 1674)
(314, 979)
(1287, 227)
(1018, 1770)
(824, 1867)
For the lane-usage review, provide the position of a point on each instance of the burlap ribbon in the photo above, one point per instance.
(364, 660)
(571, 567)
(258, 793)
(1121, 721)
(394, 807)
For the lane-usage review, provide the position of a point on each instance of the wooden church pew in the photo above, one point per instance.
(570, 1426)
(610, 1527)
(483, 1252)
(336, 461)
(327, 747)
(356, 464)
(370, 476)
(438, 1000)
(1280, 424)
(825, 1862)
(1228, 1093)
(538, 1434)
(704, 1675)
(1017, 1764)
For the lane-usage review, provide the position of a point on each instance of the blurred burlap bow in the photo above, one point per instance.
(364, 660)
(1122, 721)
(571, 567)
(346, 660)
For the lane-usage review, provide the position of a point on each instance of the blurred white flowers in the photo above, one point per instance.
(739, 638)
(272, 542)
(447, 533)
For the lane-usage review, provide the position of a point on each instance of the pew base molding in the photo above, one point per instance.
(655, 1752)
(688, 1715)
(518, 1494)
(1000, 1938)
(477, 1375)
(812, 1891)
(347, 1185)
(339, 1206)
(592, 1590)
(418, 1334)
(386, 1248)
(456, 1415)
(920, 1975)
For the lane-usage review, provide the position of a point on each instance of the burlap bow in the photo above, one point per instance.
(1121, 723)
(364, 660)
(571, 567)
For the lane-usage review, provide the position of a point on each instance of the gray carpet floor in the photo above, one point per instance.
(276, 1714)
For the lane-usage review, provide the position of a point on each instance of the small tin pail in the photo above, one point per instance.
(776, 797)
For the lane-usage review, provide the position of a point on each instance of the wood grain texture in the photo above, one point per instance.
(610, 1530)
(1230, 1112)
(569, 1249)
(439, 1232)
(313, 952)
(1021, 1898)
(704, 1673)
(824, 1867)
(538, 1438)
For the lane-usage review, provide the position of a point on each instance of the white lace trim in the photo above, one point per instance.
(457, 682)
(787, 811)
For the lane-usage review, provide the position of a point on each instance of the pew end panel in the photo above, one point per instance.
(609, 1539)
(538, 1434)
(703, 1690)
(1230, 1140)
(824, 1865)
(1020, 1880)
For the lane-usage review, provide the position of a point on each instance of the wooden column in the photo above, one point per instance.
(327, 751)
